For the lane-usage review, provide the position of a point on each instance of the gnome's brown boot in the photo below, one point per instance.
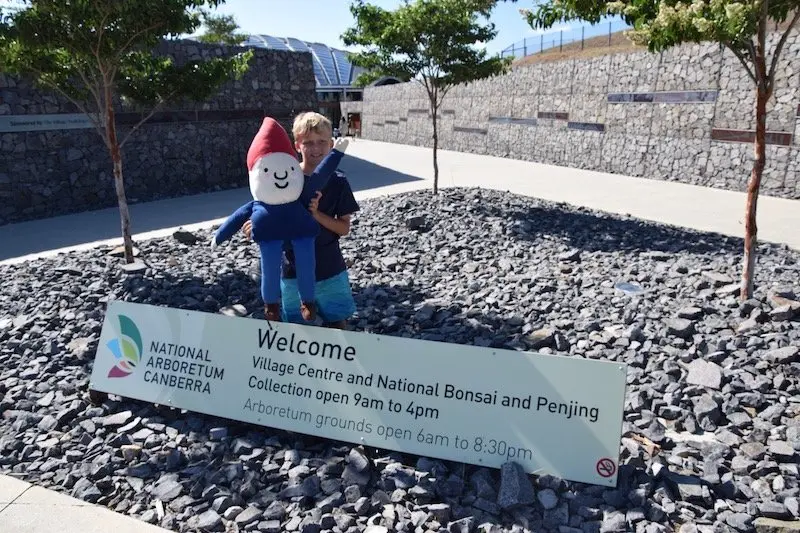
(272, 312)
(308, 310)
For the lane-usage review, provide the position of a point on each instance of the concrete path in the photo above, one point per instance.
(25, 508)
(376, 168)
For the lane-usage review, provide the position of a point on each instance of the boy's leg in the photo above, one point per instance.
(271, 278)
(290, 302)
(305, 264)
(335, 300)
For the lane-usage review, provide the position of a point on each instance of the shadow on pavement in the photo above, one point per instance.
(36, 236)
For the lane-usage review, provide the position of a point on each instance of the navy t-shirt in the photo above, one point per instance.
(337, 201)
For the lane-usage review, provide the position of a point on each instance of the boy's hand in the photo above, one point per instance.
(213, 243)
(247, 229)
(313, 206)
(340, 144)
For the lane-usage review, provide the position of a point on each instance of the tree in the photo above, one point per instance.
(220, 29)
(93, 52)
(430, 41)
(741, 26)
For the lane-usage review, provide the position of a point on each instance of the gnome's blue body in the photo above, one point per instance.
(279, 213)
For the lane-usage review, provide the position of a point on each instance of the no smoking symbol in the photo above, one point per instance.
(606, 467)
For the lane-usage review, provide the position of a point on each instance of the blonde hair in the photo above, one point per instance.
(311, 122)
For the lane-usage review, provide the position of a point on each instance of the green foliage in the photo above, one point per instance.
(434, 41)
(661, 24)
(220, 29)
(85, 48)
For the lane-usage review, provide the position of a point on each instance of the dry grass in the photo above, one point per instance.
(599, 46)
(592, 47)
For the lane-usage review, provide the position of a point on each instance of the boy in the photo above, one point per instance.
(332, 208)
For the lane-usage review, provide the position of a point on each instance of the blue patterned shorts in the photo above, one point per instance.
(334, 300)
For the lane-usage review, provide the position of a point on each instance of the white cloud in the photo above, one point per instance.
(554, 29)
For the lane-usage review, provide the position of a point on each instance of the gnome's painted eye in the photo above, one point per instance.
(266, 169)
(292, 169)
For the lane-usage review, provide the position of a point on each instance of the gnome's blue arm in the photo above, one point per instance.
(234, 222)
(319, 179)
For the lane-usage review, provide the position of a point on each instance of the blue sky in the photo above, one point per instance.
(326, 20)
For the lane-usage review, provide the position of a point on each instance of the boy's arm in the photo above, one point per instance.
(319, 178)
(233, 223)
(346, 205)
(339, 225)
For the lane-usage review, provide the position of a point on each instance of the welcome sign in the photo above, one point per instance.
(551, 414)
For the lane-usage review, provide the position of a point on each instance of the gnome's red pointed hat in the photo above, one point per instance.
(271, 138)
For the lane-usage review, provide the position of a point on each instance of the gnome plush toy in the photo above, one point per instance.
(279, 213)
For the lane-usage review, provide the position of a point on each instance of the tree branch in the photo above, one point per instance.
(93, 117)
(124, 48)
(92, 88)
(776, 54)
(101, 31)
(751, 47)
(152, 112)
(743, 61)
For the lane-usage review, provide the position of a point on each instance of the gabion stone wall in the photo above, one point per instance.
(186, 149)
(683, 115)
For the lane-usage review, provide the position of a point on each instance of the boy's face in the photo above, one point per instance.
(313, 146)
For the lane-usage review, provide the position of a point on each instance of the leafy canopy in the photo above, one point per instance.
(435, 40)
(220, 29)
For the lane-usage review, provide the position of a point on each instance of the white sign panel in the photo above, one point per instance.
(61, 121)
(551, 414)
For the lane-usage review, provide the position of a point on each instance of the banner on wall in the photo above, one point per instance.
(61, 121)
(551, 414)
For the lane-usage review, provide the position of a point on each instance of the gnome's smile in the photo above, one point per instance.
(283, 179)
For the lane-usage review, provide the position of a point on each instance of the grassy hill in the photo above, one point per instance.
(599, 46)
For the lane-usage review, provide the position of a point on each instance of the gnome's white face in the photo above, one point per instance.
(276, 179)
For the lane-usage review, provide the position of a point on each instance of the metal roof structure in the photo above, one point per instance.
(332, 70)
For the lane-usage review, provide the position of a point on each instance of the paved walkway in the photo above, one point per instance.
(25, 508)
(374, 169)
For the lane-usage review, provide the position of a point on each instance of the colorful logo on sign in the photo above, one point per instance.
(127, 349)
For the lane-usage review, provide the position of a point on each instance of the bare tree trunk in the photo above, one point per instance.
(435, 155)
(119, 184)
(753, 186)
(763, 93)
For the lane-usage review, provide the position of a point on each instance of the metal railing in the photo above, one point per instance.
(569, 38)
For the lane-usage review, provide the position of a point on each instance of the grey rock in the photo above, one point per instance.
(548, 498)
(218, 433)
(773, 509)
(207, 521)
(680, 327)
(704, 373)
(789, 354)
(117, 419)
(781, 450)
(690, 313)
(167, 490)
(184, 237)
(86, 490)
(515, 487)
(785, 312)
(771, 525)
(248, 516)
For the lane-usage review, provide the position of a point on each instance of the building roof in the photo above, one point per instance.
(332, 70)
